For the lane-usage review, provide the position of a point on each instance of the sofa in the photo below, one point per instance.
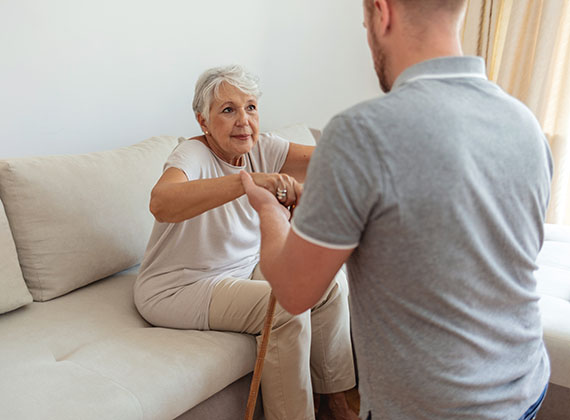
(73, 230)
(553, 286)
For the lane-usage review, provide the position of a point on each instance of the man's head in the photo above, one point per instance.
(403, 32)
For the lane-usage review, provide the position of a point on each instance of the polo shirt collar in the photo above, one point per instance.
(443, 68)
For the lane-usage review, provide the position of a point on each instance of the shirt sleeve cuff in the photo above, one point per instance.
(319, 242)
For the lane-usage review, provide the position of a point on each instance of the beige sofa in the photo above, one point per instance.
(72, 231)
(553, 277)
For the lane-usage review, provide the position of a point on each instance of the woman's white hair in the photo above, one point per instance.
(209, 82)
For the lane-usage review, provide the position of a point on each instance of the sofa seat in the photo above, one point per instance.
(89, 355)
(553, 285)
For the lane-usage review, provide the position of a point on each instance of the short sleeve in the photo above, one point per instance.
(189, 156)
(270, 153)
(340, 190)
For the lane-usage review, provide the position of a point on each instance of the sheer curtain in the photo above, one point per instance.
(526, 45)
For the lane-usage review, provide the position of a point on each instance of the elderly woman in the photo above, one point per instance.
(201, 259)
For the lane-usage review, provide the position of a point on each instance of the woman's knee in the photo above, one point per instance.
(336, 292)
(282, 318)
(342, 282)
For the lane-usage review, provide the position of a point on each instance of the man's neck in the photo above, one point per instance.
(434, 45)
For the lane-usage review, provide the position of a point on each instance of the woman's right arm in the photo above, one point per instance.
(175, 199)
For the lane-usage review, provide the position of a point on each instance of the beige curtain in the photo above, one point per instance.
(526, 45)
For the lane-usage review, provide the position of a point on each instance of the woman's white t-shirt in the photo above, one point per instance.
(220, 243)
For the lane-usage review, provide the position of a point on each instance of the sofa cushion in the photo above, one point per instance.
(553, 284)
(87, 353)
(63, 390)
(52, 330)
(13, 290)
(78, 218)
(297, 133)
(555, 316)
(553, 274)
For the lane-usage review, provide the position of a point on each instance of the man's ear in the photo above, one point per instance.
(383, 8)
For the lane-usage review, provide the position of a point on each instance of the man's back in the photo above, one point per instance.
(443, 185)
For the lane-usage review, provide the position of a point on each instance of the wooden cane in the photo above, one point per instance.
(254, 387)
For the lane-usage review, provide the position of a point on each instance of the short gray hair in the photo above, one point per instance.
(209, 82)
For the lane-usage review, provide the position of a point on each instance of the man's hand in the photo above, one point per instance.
(273, 182)
(259, 197)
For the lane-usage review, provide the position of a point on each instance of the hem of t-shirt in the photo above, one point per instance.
(318, 242)
(169, 165)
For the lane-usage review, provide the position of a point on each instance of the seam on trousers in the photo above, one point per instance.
(281, 390)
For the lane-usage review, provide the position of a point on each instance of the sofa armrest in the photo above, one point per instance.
(558, 233)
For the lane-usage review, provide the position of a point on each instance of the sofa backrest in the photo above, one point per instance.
(298, 133)
(78, 218)
(13, 290)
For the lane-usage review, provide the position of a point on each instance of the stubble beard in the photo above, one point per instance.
(380, 68)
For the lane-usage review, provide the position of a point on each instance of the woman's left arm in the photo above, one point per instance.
(297, 161)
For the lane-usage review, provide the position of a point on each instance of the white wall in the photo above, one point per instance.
(84, 75)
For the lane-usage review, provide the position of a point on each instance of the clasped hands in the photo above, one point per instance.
(262, 189)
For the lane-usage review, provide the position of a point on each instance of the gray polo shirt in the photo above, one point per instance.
(441, 186)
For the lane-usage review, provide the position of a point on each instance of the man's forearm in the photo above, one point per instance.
(274, 228)
(298, 271)
(275, 264)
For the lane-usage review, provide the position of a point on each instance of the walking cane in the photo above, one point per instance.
(254, 387)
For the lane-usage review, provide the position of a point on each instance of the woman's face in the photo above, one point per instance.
(233, 125)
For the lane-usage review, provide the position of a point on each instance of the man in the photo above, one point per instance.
(435, 195)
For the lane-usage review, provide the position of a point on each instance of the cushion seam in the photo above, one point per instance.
(141, 410)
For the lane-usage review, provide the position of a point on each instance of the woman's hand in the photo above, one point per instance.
(278, 182)
(260, 197)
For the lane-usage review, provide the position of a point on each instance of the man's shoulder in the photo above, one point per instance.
(364, 107)
(362, 120)
(388, 106)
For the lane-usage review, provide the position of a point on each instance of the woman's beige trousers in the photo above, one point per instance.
(307, 353)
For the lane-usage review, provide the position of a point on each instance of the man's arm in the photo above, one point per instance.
(299, 271)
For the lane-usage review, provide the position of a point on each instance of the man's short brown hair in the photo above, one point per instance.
(427, 6)
(421, 14)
